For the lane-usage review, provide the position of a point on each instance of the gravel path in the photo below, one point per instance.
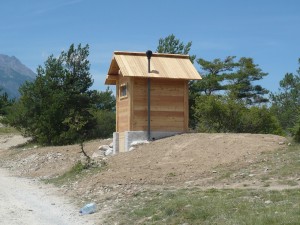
(24, 202)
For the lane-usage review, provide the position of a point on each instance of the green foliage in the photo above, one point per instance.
(296, 131)
(286, 103)
(213, 74)
(5, 103)
(237, 78)
(211, 114)
(8, 130)
(70, 175)
(232, 88)
(241, 84)
(55, 108)
(78, 171)
(105, 123)
(259, 120)
(105, 100)
(172, 45)
(222, 114)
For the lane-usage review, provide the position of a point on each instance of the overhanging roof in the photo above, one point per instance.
(135, 64)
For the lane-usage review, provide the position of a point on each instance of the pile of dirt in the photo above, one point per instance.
(184, 158)
(173, 160)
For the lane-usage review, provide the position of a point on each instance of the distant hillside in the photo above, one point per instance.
(13, 74)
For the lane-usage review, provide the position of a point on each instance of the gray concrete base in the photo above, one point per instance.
(115, 143)
(138, 136)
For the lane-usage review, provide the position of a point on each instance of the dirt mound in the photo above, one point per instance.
(184, 158)
(177, 159)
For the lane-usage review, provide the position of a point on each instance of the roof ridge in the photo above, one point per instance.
(155, 54)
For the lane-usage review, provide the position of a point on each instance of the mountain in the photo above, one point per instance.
(13, 74)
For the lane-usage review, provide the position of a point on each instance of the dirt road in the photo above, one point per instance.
(24, 201)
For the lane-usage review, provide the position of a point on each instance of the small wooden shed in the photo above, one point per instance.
(168, 81)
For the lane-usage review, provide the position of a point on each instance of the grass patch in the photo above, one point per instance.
(245, 207)
(75, 173)
(27, 145)
(289, 182)
(8, 130)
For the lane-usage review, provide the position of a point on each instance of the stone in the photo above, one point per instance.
(108, 152)
(97, 154)
(281, 143)
(103, 147)
(135, 143)
(111, 145)
(131, 148)
(268, 202)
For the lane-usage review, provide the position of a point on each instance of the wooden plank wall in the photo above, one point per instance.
(169, 105)
(123, 106)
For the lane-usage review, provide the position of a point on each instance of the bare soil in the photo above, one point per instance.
(181, 158)
(186, 160)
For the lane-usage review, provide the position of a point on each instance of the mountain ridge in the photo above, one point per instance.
(13, 74)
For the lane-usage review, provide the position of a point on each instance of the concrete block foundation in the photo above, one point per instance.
(122, 141)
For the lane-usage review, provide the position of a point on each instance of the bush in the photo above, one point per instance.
(296, 131)
(260, 120)
(105, 123)
(221, 114)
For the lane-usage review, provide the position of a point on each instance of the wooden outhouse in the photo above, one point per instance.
(151, 95)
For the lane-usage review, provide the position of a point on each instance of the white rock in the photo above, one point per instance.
(108, 152)
(97, 154)
(103, 147)
(281, 143)
(111, 145)
(268, 202)
(135, 143)
(131, 148)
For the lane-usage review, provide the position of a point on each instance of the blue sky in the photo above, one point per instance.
(265, 30)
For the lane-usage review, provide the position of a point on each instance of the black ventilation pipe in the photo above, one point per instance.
(149, 54)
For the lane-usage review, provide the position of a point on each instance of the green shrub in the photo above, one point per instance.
(222, 114)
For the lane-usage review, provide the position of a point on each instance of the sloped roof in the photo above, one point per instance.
(135, 64)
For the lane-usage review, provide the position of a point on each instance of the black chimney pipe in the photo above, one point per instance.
(149, 54)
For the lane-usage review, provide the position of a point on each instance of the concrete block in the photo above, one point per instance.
(115, 143)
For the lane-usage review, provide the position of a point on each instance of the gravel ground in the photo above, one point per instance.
(26, 202)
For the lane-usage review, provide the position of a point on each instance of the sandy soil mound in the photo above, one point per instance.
(185, 157)
(176, 159)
